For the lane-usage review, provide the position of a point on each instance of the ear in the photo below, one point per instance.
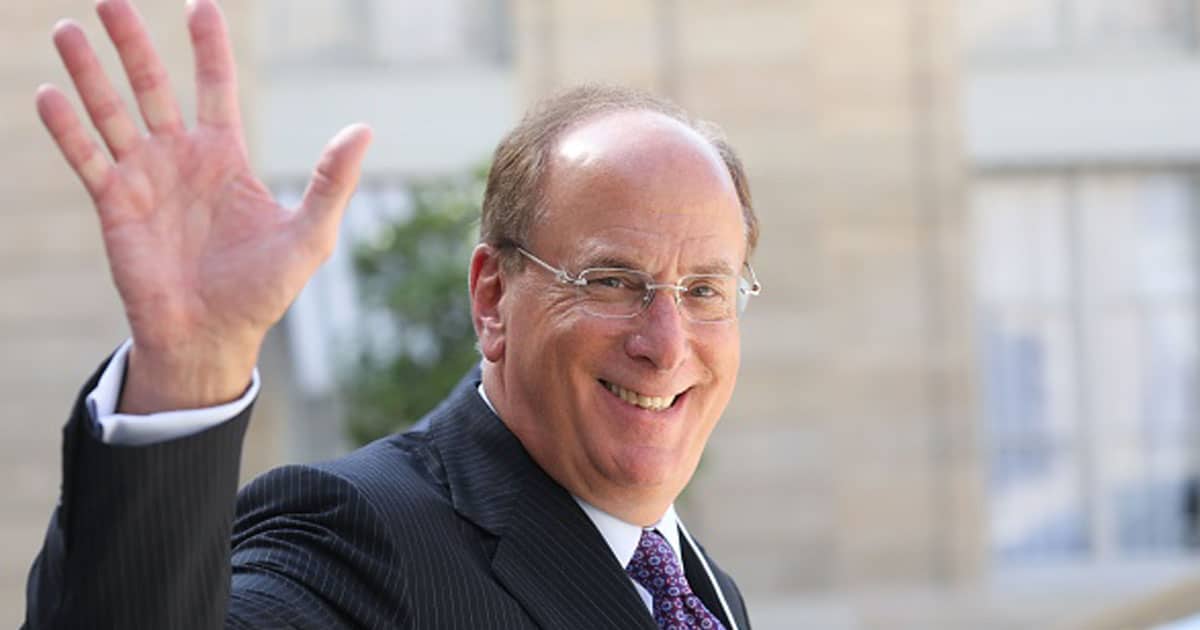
(487, 288)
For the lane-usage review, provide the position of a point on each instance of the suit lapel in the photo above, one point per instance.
(548, 554)
(699, 580)
(554, 560)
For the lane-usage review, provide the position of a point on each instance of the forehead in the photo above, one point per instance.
(633, 248)
(639, 185)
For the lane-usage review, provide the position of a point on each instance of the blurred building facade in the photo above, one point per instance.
(1085, 206)
(1086, 227)
(967, 397)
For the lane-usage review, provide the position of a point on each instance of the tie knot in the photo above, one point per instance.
(656, 568)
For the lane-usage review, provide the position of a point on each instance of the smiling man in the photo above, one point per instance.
(612, 386)
(606, 290)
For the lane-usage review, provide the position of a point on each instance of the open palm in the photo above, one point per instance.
(204, 259)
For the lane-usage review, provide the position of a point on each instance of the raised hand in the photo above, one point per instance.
(204, 259)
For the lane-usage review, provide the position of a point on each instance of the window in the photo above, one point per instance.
(1088, 332)
(386, 32)
(999, 27)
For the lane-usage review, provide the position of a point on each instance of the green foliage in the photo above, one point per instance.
(413, 278)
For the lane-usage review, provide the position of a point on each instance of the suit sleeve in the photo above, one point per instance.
(140, 535)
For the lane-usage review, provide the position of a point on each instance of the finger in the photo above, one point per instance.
(101, 101)
(333, 182)
(216, 74)
(143, 66)
(82, 152)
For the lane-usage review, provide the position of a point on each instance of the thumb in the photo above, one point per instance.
(334, 178)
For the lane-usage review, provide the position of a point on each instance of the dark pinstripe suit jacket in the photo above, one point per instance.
(451, 525)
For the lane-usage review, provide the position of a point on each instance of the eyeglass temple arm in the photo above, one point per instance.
(560, 274)
(755, 286)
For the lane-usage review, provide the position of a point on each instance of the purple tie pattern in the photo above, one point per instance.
(656, 568)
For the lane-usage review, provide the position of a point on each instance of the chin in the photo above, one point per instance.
(650, 469)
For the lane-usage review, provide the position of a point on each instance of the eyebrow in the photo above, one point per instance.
(713, 267)
(609, 260)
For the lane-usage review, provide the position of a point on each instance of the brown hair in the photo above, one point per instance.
(512, 201)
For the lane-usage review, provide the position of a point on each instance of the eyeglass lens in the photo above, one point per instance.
(624, 293)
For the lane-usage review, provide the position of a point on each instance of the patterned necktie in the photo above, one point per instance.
(676, 607)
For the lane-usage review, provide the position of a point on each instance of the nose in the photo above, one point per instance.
(661, 336)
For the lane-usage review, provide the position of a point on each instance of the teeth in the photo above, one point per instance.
(653, 403)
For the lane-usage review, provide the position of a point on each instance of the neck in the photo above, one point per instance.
(641, 512)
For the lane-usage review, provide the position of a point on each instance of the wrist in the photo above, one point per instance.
(157, 381)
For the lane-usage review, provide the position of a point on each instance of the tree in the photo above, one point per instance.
(413, 282)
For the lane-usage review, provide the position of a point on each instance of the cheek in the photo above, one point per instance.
(582, 340)
(721, 357)
(530, 318)
(721, 354)
(559, 346)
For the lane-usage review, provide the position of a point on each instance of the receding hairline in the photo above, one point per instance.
(654, 121)
(696, 143)
(515, 197)
(661, 122)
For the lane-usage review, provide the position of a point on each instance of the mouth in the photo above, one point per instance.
(642, 401)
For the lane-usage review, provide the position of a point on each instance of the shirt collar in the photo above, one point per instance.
(622, 537)
(483, 395)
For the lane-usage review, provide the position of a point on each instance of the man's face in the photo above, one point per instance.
(635, 190)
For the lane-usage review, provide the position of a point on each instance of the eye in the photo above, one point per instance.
(704, 289)
(609, 282)
(615, 280)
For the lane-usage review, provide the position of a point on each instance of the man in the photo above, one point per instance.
(606, 288)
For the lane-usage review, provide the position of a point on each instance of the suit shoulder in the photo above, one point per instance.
(392, 481)
(320, 541)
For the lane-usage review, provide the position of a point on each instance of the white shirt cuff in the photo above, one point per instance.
(122, 429)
